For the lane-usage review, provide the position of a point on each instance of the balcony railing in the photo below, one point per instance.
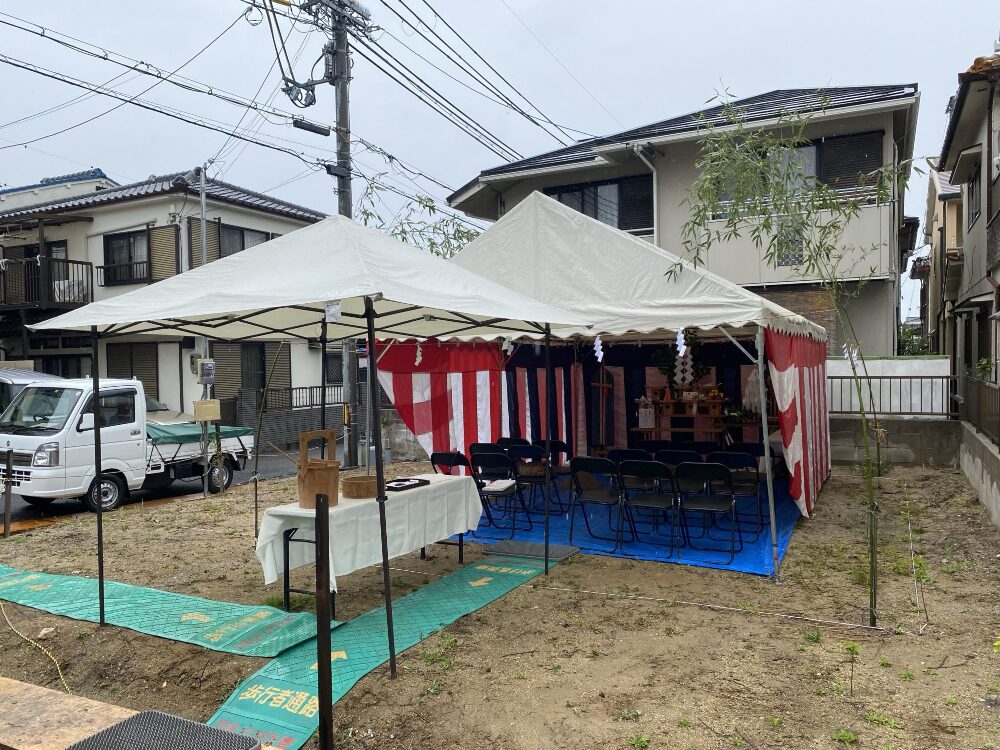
(893, 395)
(45, 282)
(307, 397)
(119, 274)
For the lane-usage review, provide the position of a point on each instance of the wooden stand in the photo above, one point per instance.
(668, 409)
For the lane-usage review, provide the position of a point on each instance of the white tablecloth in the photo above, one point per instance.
(415, 518)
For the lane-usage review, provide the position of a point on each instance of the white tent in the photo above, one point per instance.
(619, 282)
(626, 288)
(280, 290)
(334, 279)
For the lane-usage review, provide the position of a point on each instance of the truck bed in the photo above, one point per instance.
(189, 432)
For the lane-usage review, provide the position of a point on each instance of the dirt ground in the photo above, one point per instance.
(606, 653)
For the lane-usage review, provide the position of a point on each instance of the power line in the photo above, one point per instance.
(124, 102)
(456, 58)
(563, 66)
(477, 91)
(436, 101)
(490, 66)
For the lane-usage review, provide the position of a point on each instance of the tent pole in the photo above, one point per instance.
(761, 370)
(96, 406)
(376, 436)
(549, 397)
(324, 674)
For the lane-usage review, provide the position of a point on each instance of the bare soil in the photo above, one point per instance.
(605, 653)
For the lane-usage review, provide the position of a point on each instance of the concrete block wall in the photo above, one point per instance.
(909, 441)
(980, 462)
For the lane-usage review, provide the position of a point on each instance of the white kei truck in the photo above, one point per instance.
(49, 426)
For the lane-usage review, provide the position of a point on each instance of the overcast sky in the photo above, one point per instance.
(636, 62)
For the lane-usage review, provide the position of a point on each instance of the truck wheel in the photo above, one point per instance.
(40, 502)
(220, 477)
(109, 493)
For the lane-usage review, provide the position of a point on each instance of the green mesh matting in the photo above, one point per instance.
(278, 704)
(221, 626)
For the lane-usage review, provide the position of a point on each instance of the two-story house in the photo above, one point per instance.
(637, 180)
(971, 154)
(70, 240)
(942, 275)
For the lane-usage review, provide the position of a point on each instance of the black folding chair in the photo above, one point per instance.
(496, 479)
(745, 470)
(617, 455)
(485, 448)
(595, 482)
(652, 446)
(715, 498)
(507, 442)
(673, 459)
(559, 460)
(530, 463)
(704, 447)
(445, 462)
(648, 485)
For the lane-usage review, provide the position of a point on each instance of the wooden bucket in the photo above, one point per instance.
(318, 476)
(360, 488)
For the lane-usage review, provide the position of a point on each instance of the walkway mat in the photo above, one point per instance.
(754, 558)
(220, 626)
(557, 552)
(279, 705)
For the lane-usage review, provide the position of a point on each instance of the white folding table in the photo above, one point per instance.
(415, 518)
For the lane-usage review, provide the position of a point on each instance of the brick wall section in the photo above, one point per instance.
(811, 303)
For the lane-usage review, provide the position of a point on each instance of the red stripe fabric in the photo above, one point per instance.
(470, 410)
(543, 412)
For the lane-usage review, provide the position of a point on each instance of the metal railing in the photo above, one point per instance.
(118, 274)
(45, 282)
(981, 407)
(898, 395)
(308, 397)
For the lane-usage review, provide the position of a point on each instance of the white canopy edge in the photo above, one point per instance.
(282, 289)
(618, 281)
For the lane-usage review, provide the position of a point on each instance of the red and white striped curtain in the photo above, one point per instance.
(798, 379)
(451, 398)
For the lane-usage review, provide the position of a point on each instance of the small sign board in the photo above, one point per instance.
(208, 410)
(333, 311)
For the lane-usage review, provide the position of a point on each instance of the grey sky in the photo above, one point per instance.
(643, 61)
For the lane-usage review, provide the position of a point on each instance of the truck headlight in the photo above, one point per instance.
(46, 454)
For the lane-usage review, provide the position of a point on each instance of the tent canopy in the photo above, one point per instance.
(614, 279)
(280, 289)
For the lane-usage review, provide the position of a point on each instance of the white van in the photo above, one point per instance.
(49, 426)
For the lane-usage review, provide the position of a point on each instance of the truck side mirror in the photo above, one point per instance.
(86, 422)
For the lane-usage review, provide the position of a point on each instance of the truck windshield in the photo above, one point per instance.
(39, 409)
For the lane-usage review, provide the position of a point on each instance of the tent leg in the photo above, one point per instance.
(322, 391)
(549, 400)
(95, 374)
(761, 371)
(375, 434)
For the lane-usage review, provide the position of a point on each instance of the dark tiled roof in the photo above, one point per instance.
(171, 183)
(755, 108)
(89, 174)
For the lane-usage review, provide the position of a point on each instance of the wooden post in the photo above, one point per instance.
(7, 490)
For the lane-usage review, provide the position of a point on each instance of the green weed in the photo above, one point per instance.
(775, 722)
(812, 635)
(685, 724)
(845, 736)
(627, 714)
(640, 741)
(906, 675)
(435, 686)
(882, 720)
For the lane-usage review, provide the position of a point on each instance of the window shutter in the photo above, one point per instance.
(162, 252)
(282, 375)
(635, 203)
(845, 158)
(194, 240)
(139, 361)
(228, 369)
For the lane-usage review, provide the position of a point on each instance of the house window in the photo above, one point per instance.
(974, 196)
(126, 258)
(797, 166)
(624, 204)
(236, 239)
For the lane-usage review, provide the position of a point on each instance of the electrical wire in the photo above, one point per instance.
(417, 87)
(459, 61)
(129, 101)
(63, 105)
(477, 91)
(561, 64)
(495, 71)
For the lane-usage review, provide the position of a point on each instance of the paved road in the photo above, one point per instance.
(271, 465)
